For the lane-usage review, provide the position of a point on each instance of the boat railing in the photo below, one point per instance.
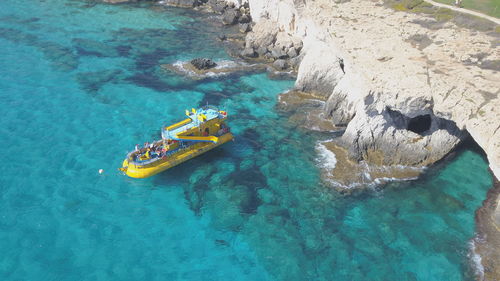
(179, 124)
(181, 148)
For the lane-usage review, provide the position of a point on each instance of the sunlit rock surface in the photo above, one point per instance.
(381, 69)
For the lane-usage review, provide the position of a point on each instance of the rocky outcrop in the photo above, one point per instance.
(182, 3)
(203, 63)
(118, 1)
(407, 90)
(487, 241)
(387, 137)
(268, 42)
(406, 87)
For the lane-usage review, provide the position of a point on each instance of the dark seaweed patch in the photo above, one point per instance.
(150, 60)
(62, 58)
(252, 179)
(17, 36)
(93, 81)
(87, 47)
(123, 50)
(149, 80)
(213, 98)
(232, 86)
(251, 137)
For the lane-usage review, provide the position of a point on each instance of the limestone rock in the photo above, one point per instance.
(230, 17)
(181, 3)
(245, 18)
(263, 35)
(248, 52)
(364, 68)
(217, 6)
(245, 27)
(319, 70)
(279, 53)
(292, 53)
(295, 62)
(280, 64)
(386, 138)
(261, 51)
(118, 1)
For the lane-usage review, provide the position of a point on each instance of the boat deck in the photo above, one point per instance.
(171, 131)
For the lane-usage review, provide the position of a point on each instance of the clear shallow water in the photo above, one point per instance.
(81, 84)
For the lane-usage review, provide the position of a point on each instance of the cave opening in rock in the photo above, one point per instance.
(420, 124)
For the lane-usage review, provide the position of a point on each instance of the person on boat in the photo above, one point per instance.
(146, 144)
(146, 155)
(156, 154)
(136, 147)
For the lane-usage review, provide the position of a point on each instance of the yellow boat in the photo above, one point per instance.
(203, 130)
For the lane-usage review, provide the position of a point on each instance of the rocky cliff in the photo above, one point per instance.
(407, 87)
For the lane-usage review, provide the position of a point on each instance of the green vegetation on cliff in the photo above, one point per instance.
(489, 7)
(443, 14)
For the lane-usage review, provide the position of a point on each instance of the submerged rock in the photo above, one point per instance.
(203, 63)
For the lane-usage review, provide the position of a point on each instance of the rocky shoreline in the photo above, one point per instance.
(487, 240)
(398, 90)
(408, 103)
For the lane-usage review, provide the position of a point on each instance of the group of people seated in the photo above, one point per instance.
(153, 150)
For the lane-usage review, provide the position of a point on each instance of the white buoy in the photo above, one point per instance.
(101, 171)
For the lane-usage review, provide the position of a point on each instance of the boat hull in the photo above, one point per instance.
(144, 171)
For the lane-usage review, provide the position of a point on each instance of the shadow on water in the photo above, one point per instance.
(231, 85)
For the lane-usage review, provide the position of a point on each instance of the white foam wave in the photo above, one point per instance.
(369, 181)
(475, 259)
(226, 67)
(179, 66)
(326, 159)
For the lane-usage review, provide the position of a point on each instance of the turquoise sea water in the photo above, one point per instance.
(80, 84)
